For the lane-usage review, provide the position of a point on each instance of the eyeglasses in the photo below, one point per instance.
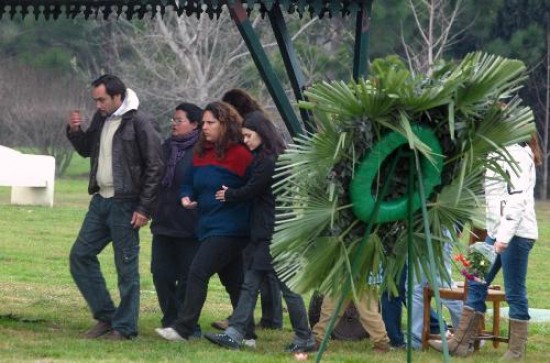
(177, 121)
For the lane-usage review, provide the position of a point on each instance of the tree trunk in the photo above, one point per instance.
(545, 154)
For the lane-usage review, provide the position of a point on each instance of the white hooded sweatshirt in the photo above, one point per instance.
(510, 206)
(105, 162)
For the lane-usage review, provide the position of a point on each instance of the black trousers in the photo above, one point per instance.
(170, 262)
(221, 255)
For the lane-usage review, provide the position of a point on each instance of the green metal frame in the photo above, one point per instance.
(290, 60)
(274, 86)
(360, 51)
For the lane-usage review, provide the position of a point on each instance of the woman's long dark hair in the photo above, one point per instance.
(243, 102)
(272, 142)
(535, 148)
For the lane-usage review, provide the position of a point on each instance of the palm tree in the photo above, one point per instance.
(335, 233)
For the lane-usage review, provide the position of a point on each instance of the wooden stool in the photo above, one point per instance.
(494, 295)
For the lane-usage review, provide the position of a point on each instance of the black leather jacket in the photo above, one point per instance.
(138, 164)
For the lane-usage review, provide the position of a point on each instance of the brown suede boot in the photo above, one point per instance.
(477, 334)
(518, 339)
(463, 337)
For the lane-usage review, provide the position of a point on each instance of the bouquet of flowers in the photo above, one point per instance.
(478, 261)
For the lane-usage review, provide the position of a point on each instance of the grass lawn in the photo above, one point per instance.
(42, 314)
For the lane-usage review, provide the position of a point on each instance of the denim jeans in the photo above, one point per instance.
(417, 311)
(392, 311)
(108, 220)
(171, 258)
(513, 261)
(239, 322)
(221, 255)
(272, 305)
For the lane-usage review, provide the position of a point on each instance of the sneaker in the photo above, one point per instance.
(101, 328)
(249, 343)
(223, 340)
(170, 334)
(301, 348)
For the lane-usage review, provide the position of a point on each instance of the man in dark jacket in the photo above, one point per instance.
(126, 169)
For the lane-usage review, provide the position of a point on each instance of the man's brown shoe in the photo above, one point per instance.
(381, 347)
(221, 324)
(115, 335)
(101, 328)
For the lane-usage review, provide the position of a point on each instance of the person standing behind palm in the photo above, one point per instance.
(272, 306)
(173, 227)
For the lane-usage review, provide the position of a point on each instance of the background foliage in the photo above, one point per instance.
(146, 53)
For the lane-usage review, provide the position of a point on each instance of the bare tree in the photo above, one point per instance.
(169, 59)
(35, 108)
(434, 20)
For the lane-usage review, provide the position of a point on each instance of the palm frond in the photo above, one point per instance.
(318, 237)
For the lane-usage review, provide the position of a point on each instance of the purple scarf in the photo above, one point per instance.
(178, 146)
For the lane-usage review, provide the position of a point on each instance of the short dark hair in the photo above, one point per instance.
(194, 112)
(113, 85)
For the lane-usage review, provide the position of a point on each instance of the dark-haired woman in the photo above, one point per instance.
(262, 139)
(173, 227)
(223, 229)
(272, 306)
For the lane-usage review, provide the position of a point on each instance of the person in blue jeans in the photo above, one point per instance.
(512, 230)
(261, 137)
(392, 314)
(124, 147)
(417, 311)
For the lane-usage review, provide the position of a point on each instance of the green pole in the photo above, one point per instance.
(433, 272)
(361, 50)
(410, 271)
(240, 18)
(288, 53)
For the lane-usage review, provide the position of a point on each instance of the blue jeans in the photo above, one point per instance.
(513, 261)
(108, 220)
(417, 311)
(392, 311)
(171, 258)
(272, 306)
(239, 323)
